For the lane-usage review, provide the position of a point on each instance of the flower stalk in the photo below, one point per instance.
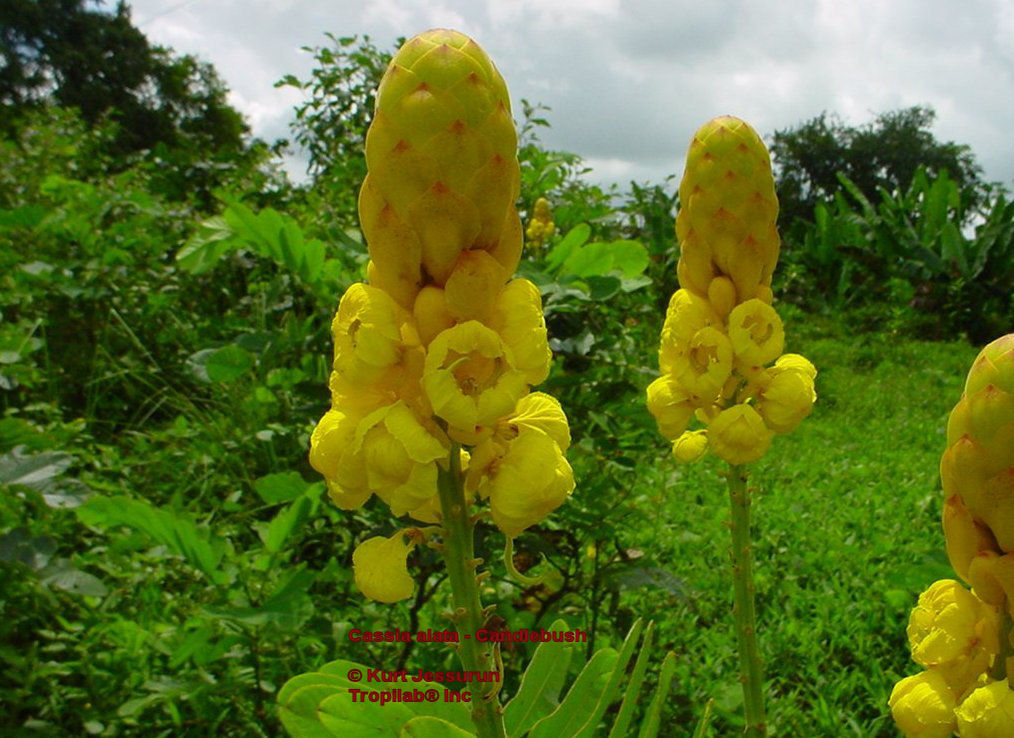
(459, 557)
(751, 673)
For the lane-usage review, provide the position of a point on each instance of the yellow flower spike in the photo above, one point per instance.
(756, 333)
(380, 568)
(738, 435)
(671, 405)
(948, 623)
(469, 378)
(530, 480)
(367, 334)
(988, 712)
(474, 284)
(333, 456)
(922, 706)
(399, 455)
(785, 397)
(690, 446)
(431, 313)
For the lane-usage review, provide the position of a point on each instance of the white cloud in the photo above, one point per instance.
(628, 82)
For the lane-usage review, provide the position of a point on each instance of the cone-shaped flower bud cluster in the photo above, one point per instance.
(721, 347)
(953, 632)
(541, 226)
(441, 347)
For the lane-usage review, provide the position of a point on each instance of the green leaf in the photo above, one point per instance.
(431, 727)
(288, 607)
(575, 237)
(629, 257)
(33, 471)
(280, 487)
(581, 699)
(633, 691)
(653, 716)
(210, 243)
(198, 546)
(68, 579)
(228, 363)
(286, 523)
(594, 259)
(610, 692)
(541, 683)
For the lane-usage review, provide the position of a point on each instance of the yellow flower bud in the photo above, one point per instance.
(756, 333)
(474, 284)
(671, 405)
(988, 712)
(738, 435)
(333, 455)
(722, 295)
(948, 623)
(367, 334)
(994, 365)
(517, 317)
(786, 397)
(431, 313)
(690, 446)
(380, 568)
(528, 482)
(922, 706)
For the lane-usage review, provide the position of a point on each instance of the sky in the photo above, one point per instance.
(628, 82)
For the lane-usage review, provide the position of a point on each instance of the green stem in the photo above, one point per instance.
(746, 621)
(459, 556)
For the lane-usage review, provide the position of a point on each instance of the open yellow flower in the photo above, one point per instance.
(470, 379)
(705, 367)
(756, 333)
(399, 456)
(686, 315)
(380, 568)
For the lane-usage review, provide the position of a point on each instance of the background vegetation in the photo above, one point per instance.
(168, 558)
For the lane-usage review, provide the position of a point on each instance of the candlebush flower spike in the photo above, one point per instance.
(721, 335)
(441, 348)
(962, 636)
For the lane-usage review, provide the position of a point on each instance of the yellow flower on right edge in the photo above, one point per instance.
(721, 345)
(963, 637)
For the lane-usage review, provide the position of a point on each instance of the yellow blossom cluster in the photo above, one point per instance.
(721, 346)
(441, 348)
(541, 226)
(963, 637)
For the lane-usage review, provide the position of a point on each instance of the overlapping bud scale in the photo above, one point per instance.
(720, 331)
(441, 346)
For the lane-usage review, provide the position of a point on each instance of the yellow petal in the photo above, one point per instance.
(690, 446)
(922, 706)
(756, 333)
(531, 480)
(380, 568)
(988, 712)
(738, 435)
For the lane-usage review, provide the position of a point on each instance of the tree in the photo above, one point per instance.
(73, 55)
(885, 153)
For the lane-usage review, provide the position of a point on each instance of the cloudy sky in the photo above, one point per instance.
(629, 81)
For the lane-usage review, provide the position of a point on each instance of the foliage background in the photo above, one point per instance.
(166, 295)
